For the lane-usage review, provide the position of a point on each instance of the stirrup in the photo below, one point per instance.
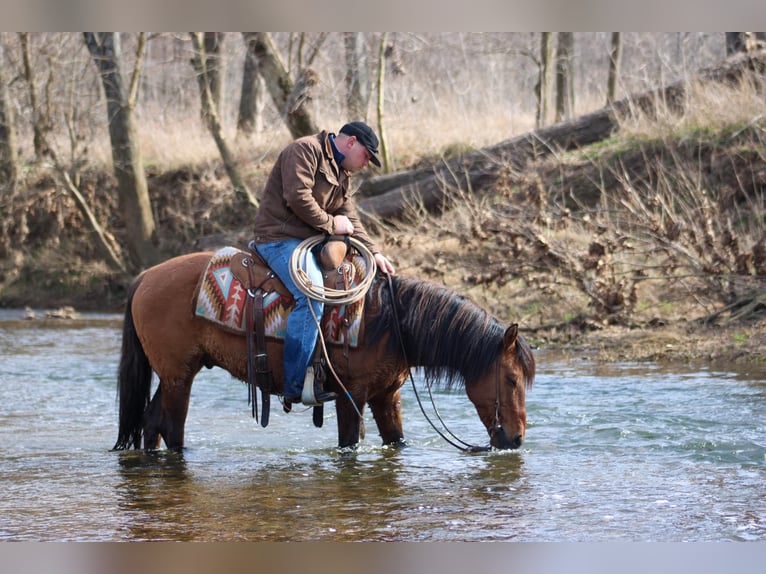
(309, 396)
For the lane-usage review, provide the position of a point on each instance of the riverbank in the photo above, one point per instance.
(650, 245)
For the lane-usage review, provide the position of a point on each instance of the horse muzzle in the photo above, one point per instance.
(499, 439)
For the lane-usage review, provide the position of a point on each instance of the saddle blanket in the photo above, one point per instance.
(221, 298)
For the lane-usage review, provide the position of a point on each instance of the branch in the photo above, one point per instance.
(135, 77)
(315, 48)
(106, 250)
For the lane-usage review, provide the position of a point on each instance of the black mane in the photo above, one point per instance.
(447, 334)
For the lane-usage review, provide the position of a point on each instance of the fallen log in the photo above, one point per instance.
(390, 196)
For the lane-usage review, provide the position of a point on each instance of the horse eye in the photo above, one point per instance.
(510, 381)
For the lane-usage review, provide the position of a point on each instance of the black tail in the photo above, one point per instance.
(133, 382)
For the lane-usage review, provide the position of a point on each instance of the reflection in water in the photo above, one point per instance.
(382, 496)
(155, 492)
(613, 452)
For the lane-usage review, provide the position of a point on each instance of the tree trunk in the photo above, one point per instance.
(615, 58)
(251, 101)
(390, 196)
(9, 160)
(290, 98)
(381, 125)
(357, 76)
(141, 236)
(38, 125)
(214, 123)
(564, 76)
(211, 55)
(546, 80)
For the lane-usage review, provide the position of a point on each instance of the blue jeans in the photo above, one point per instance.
(301, 333)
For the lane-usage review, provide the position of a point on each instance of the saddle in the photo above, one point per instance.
(254, 273)
(257, 278)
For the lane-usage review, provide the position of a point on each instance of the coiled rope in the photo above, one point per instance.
(298, 266)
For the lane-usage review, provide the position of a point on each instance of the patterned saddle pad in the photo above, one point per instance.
(220, 298)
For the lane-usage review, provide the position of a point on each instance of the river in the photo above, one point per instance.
(614, 452)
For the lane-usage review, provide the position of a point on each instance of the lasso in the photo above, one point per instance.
(298, 266)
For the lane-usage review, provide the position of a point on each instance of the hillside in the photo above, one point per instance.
(650, 244)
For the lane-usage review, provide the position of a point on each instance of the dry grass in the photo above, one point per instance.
(412, 136)
(710, 108)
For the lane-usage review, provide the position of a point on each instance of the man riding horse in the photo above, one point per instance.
(308, 193)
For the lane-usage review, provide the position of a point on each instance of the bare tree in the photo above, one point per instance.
(381, 124)
(9, 160)
(290, 97)
(546, 80)
(68, 173)
(199, 60)
(209, 112)
(251, 101)
(357, 75)
(210, 56)
(615, 58)
(141, 235)
(564, 76)
(38, 119)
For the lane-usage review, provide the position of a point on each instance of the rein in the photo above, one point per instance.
(338, 297)
(463, 446)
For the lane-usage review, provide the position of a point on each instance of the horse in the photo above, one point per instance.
(407, 322)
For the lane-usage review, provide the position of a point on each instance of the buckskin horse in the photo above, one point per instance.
(407, 322)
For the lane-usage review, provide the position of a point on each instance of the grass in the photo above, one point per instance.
(169, 143)
(715, 110)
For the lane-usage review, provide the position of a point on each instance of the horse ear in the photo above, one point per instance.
(509, 337)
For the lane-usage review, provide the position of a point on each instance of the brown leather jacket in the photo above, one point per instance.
(306, 187)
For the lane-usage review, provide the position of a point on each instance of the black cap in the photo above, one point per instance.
(366, 136)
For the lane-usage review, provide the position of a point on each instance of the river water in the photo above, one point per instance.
(627, 452)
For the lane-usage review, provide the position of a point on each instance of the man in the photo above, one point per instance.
(307, 193)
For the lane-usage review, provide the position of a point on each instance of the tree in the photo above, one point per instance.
(68, 174)
(9, 160)
(210, 113)
(545, 82)
(290, 97)
(38, 120)
(381, 125)
(251, 101)
(564, 76)
(357, 75)
(133, 193)
(615, 58)
(210, 56)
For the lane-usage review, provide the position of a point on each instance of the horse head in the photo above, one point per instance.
(499, 394)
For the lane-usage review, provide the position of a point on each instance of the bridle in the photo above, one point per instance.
(455, 441)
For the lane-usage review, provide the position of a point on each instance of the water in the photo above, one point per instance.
(628, 452)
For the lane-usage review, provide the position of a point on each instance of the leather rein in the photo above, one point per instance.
(455, 441)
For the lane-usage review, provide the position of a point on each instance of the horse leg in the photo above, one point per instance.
(387, 411)
(151, 422)
(349, 423)
(165, 417)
